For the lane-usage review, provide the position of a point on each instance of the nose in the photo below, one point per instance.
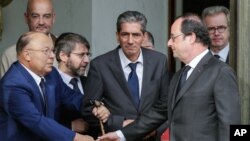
(41, 20)
(52, 54)
(130, 39)
(85, 59)
(170, 42)
(216, 32)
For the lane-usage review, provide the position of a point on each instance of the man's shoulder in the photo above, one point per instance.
(9, 55)
(106, 56)
(10, 50)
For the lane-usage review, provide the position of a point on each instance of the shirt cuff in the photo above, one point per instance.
(120, 135)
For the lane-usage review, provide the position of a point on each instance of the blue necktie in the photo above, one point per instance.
(42, 86)
(73, 81)
(133, 83)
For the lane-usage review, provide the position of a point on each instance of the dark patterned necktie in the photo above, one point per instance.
(73, 81)
(183, 76)
(43, 89)
(133, 83)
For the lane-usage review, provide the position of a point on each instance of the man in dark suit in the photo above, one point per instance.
(72, 53)
(202, 107)
(109, 75)
(32, 93)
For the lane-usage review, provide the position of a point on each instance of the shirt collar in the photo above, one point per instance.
(66, 78)
(197, 59)
(34, 76)
(223, 53)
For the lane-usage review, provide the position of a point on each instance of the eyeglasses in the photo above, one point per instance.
(82, 55)
(175, 36)
(46, 51)
(220, 29)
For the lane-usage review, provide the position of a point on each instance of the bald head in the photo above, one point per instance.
(35, 52)
(40, 15)
(31, 4)
(26, 38)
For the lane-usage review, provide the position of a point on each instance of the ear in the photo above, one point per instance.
(192, 38)
(26, 17)
(117, 37)
(26, 56)
(63, 56)
(54, 17)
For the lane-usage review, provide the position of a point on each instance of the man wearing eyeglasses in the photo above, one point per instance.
(72, 53)
(217, 19)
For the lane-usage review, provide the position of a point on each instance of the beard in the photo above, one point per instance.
(75, 70)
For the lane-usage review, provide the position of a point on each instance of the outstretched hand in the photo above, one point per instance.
(112, 136)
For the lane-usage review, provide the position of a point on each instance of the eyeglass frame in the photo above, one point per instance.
(81, 55)
(173, 37)
(220, 29)
(46, 51)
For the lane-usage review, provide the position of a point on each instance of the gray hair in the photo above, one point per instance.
(131, 17)
(213, 10)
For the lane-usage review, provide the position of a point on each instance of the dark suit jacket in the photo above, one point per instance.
(204, 108)
(21, 108)
(67, 115)
(106, 80)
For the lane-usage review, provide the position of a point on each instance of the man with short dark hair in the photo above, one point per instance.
(129, 79)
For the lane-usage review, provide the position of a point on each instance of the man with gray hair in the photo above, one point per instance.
(217, 21)
(129, 79)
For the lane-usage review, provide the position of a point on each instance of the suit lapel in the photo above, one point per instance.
(194, 76)
(35, 87)
(50, 97)
(173, 89)
(83, 81)
(147, 72)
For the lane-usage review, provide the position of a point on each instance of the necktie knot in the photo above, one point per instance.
(42, 83)
(217, 56)
(183, 76)
(132, 66)
(186, 69)
(74, 81)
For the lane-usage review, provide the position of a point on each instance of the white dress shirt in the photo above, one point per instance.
(126, 69)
